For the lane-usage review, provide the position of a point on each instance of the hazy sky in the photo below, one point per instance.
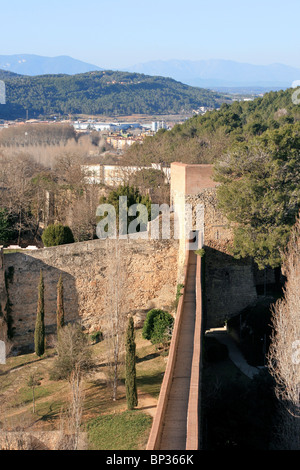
(119, 33)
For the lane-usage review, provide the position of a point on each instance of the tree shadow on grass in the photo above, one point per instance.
(53, 413)
(34, 361)
(146, 380)
(147, 358)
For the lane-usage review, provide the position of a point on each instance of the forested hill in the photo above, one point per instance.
(204, 139)
(5, 75)
(101, 92)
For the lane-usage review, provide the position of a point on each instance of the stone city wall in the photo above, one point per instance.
(149, 268)
(3, 299)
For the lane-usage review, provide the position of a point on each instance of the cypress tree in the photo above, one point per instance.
(130, 380)
(39, 333)
(60, 312)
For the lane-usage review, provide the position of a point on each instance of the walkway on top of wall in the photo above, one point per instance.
(174, 432)
(176, 423)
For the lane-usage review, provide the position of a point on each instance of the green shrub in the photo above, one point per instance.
(200, 252)
(55, 235)
(174, 304)
(178, 294)
(5, 226)
(158, 326)
(97, 337)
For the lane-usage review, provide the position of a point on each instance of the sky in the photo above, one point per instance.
(119, 33)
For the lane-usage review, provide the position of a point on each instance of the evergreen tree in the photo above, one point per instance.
(260, 193)
(5, 230)
(39, 333)
(131, 389)
(133, 197)
(158, 327)
(60, 312)
(57, 234)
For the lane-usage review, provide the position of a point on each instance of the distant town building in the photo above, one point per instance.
(120, 143)
(113, 175)
(105, 126)
(156, 125)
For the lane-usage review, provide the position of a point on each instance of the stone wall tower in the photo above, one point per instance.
(229, 283)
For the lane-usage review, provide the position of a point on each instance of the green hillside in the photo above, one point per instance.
(203, 139)
(107, 92)
(4, 75)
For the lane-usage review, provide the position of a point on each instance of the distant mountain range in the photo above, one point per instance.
(220, 74)
(30, 64)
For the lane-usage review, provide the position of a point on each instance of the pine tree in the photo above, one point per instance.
(260, 193)
(60, 312)
(39, 333)
(131, 389)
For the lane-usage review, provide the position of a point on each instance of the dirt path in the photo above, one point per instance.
(147, 403)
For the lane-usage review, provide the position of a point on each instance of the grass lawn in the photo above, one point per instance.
(150, 366)
(122, 431)
(109, 425)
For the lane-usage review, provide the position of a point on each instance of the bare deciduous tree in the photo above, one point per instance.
(116, 314)
(69, 169)
(73, 352)
(70, 422)
(16, 176)
(33, 382)
(36, 134)
(284, 353)
(16, 441)
(83, 214)
(16, 435)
